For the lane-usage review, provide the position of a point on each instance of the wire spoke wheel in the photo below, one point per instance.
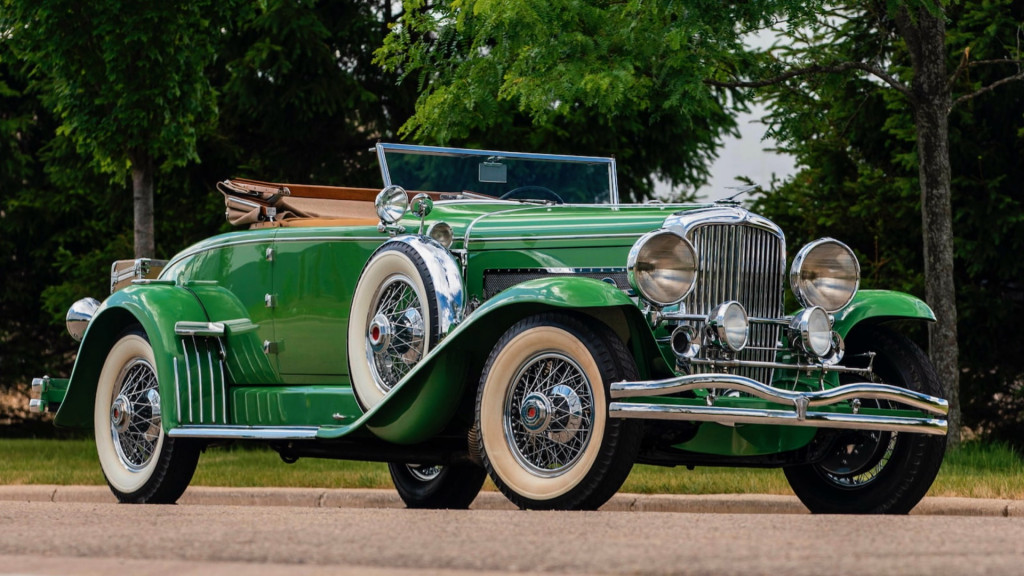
(549, 414)
(393, 322)
(135, 415)
(140, 463)
(435, 486)
(542, 414)
(395, 341)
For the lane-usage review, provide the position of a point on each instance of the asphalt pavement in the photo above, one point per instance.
(348, 498)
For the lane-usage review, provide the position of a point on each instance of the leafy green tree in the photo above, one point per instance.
(41, 226)
(301, 99)
(620, 78)
(298, 99)
(858, 142)
(125, 80)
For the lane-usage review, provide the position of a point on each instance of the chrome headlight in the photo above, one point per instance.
(825, 273)
(814, 331)
(729, 326)
(391, 204)
(662, 267)
(79, 316)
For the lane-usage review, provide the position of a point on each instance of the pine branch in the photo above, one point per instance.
(986, 89)
(965, 64)
(817, 69)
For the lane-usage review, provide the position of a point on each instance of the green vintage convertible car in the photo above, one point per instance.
(502, 314)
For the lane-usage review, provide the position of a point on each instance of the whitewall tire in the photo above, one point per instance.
(542, 414)
(140, 463)
(393, 321)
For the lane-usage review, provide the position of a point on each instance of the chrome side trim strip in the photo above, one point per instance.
(724, 415)
(213, 382)
(177, 390)
(558, 237)
(223, 393)
(246, 432)
(469, 229)
(188, 374)
(831, 396)
(199, 329)
(260, 240)
(199, 376)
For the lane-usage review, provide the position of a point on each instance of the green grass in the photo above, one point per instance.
(974, 471)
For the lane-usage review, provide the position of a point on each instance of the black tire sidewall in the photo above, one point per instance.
(454, 488)
(915, 459)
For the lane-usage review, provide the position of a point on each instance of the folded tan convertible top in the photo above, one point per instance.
(259, 204)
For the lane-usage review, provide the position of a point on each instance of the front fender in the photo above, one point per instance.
(156, 307)
(879, 306)
(425, 401)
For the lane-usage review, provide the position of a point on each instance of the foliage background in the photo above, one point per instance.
(300, 95)
(859, 183)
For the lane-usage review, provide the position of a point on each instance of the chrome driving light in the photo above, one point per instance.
(813, 331)
(391, 204)
(662, 267)
(825, 273)
(79, 316)
(729, 326)
(442, 233)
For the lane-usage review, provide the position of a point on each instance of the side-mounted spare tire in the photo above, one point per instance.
(394, 320)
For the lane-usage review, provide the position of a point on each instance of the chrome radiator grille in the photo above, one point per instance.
(747, 264)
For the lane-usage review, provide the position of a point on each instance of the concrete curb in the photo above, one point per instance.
(346, 498)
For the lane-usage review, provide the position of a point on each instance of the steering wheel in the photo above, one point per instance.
(532, 193)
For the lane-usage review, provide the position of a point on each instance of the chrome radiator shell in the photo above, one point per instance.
(741, 257)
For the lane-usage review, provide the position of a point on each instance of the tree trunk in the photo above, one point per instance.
(142, 190)
(925, 35)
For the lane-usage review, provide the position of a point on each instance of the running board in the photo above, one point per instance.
(246, 432)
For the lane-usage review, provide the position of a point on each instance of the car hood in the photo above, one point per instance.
(489, 225)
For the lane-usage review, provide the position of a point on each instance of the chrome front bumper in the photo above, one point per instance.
(795, 407)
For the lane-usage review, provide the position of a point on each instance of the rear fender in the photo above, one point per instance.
(156, 307)
(425, 401)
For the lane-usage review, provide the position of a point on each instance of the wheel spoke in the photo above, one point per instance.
(134, 444)
(557, 386)
(405, 347)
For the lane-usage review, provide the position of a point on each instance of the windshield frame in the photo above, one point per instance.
(384, 148)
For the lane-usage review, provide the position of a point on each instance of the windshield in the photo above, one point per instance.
(505, 175)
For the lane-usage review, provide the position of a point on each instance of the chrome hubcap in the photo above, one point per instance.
(549, 414)
(379, 333)
(396, 335)
(536, 413)
(121, 414)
